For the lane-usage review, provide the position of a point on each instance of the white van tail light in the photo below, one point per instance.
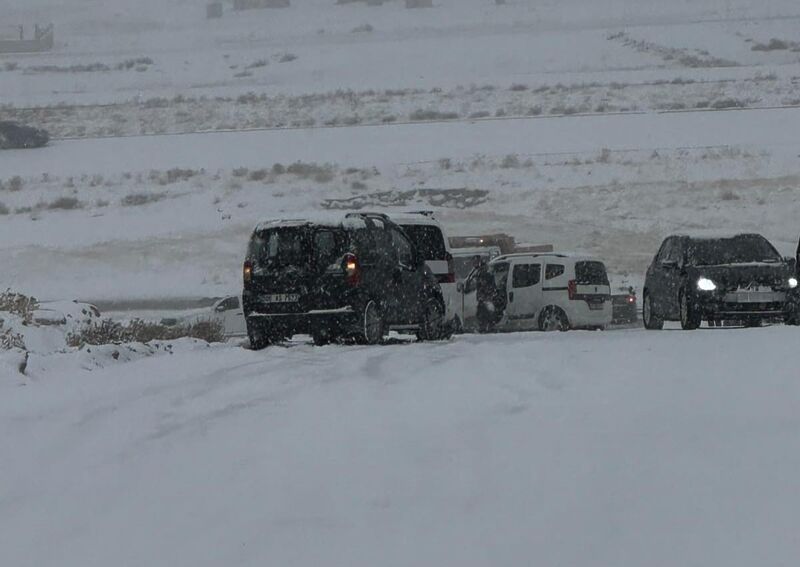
(451, 269)
(572, 289)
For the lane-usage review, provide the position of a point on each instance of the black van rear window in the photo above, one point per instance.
(593, 273)
(283, 246)
(428, 240)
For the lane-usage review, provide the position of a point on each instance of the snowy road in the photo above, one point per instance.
(408, 143)
(566, 449)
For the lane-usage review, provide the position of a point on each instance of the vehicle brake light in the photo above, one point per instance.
(352, 270)
(572, 289)
(631, 299)
(247, 272)
(451, 269)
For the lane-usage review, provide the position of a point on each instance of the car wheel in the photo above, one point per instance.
(651, 322)
(259, 339)
(553, 319)
(371, 325)
(321, 339)
(690, 317)
(793, 318)
(433, 326)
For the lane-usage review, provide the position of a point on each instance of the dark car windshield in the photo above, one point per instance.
(737, 250)
(428, 241)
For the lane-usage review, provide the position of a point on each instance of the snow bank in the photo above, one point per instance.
(625, 448)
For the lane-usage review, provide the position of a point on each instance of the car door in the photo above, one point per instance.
(469, 301)
(235, 325)
(658, 279)
(524, 293)
(672, 269)
(407, 278)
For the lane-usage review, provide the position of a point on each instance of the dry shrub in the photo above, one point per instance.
(65, 204)
(138, 331)
(3, 209)
(18, 304)
(9, 339)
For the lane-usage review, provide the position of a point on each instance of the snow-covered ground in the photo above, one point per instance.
(599, 126)
(623, 448)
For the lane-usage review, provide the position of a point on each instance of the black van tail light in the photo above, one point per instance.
(352, 270)
(572, 289)
(247, 272)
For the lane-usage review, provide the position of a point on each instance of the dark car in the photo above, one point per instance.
(14, 136)
(352, 278)
(741, 279)
(624, 307)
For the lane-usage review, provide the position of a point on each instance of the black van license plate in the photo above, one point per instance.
(282, 298)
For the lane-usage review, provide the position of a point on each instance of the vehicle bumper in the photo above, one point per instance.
(770, 305)
(332, 320)
(583, 316)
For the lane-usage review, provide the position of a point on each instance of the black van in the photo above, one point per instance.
(355, 277)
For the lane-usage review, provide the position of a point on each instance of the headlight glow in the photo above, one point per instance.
(792, 283)
(705, 284)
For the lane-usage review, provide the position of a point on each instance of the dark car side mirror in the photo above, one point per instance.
(460, 287)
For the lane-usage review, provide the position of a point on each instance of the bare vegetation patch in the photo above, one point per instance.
(138, 331)
(64, 204)
(428, 115)
(139, 199)
(18, 304)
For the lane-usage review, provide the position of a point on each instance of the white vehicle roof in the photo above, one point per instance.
(461, 252)
(330, 220)
(415, 217)
(554, 255)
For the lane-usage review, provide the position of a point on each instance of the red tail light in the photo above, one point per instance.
(572, 289)
(631, 299)
(451, 270)
(352, 270)
(247, 272)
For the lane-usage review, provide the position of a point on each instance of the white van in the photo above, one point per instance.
(544, 292)
(432, 243)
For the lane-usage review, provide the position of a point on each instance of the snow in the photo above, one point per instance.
(586, 124)
(618, 448)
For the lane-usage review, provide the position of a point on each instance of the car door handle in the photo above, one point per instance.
(511, 297)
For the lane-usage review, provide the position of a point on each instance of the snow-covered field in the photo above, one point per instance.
(663, 117)
(623, 448)
(599, 126)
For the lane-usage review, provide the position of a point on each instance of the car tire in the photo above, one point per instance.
(553, 319)
(259, 339)
(432, 327)
(371, 326)
(651, 321)
(690, 316)
(321, 339)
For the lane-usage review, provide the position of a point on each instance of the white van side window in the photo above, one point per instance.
(553, 271)
(526, 275)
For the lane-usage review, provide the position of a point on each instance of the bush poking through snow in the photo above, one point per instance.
(138, 331)
(426, 115)
(10, 340)
(18, 304)
(64, 204)
(138, 199)
(3, 209)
